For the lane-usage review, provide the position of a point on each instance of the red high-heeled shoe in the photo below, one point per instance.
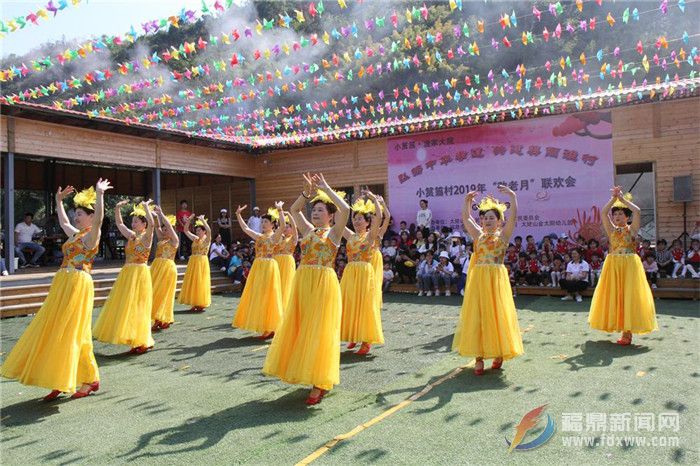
(497, 363)
(53, 395)
(93, 387)
(352, 345)
(479, 368)
(140, 349)
(314, 400)
(625, 339)
(163, 325)
(364, 349)
(157, 326)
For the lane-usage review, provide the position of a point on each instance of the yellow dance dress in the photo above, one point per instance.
(164, 280)
(284, 255)
(622, 300)
(126, 315)
(306, 346)
(361, 320)
(488, 324)
(378, 266)
(196, 286)
(260, 308)
(55, 351)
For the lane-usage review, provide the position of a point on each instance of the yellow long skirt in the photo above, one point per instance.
(260, 308)
(287, 268)
(622, 300)
(126, 315)
(55, 351)
(305, 349)
(196, 286)
(164, 281)
(361, 320)
(488, 324)
(378, 266)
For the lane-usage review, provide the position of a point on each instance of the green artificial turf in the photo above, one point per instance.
(199, 397)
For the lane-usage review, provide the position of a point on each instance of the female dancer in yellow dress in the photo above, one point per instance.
(361, 319)
(622, 301)
(164, 271)
(305, 347)
(196, 286)
(55, 351)
(284, 255)
(377, 258)
(126, 315)
(488, 324)
(260, 307)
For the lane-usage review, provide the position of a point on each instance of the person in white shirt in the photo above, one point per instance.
(404, 228)
(426, 275)
(218, 254)
(464, 264)
(390, 248)
(255, 221)
(24, 232)
(444, 273)
(576, 277)
(424, 217)
(388, 276)
(456, 247)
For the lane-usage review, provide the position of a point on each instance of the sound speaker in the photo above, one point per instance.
(682, 188)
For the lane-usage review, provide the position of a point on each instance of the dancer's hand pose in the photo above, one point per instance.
(470, 225)
(202, 231)
(620, 217)
(512, 213)
(340, 218)
(164, 229)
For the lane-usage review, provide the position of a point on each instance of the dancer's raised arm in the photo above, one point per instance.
(123, 229)
(92, 239)
(470, 225)
(512, 215)
(341, 217)
(244, 226)
(63, 219)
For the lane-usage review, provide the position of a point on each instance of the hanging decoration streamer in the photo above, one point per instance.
(266, 85)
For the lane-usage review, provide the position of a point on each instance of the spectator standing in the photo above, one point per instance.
(664, 259)
(224, 223)
(182, 216)
(424, 218)
(255, 221)
(651, 269)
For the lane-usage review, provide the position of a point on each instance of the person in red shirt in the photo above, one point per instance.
(532, 276)
(596, 267)
(594, 249)
(518, 243)
(521, 269)
(547, 247)
(557, 270)
(678, 258)
(530, 245)
(545, 269)
(511, 256)
(645, 249)
(562, 245)
(182, 215)
(692, 261)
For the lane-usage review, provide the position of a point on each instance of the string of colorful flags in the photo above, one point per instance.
(236, 96)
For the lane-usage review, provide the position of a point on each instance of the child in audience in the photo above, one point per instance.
(651, 269)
